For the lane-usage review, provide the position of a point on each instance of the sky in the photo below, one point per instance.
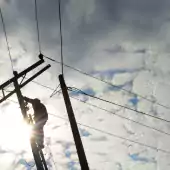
(125, 43)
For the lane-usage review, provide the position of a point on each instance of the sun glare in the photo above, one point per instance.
(14, 132)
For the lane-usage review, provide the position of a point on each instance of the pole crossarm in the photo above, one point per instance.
(37, 153)
(7, 83)
(6, 96)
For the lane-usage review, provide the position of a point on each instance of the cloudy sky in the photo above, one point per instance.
(125, 43)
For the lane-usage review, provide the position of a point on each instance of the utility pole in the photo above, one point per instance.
(34, 147)
(37, 153)
(74, 128)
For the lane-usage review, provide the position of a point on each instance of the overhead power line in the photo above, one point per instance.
(37, 26)
(116, 104)
(108, 83)
(108, 133)
(54, 90)
(113, 113)
(147, 126)
(47, 87)
(61, 37)
(122, 117)
(6, 38)
(115, 135)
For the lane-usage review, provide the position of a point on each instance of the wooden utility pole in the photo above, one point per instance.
(34, 147)
(74, 128)
(37, 153)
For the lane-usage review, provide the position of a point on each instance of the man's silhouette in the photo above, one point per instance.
(40, 118)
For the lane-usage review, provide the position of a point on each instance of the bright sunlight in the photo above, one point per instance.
(14, 132)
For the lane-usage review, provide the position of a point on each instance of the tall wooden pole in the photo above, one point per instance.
(24, 113)
(74, 128)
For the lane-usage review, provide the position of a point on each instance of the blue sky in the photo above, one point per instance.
(123, 43)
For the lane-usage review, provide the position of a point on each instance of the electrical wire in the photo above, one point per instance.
(47, 87)
(61, 37)
(116, 104)
(166, 133)
(37, 26)
(122, 117)
(108, 83)
(113, 113)
(55, 91)
(6, 38)
(115, 135)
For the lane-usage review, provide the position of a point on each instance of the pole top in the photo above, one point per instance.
(41, 56)
(60, 76)
(15, 73)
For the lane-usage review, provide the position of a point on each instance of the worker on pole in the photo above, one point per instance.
(40, 118)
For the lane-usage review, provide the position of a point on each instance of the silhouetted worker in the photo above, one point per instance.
(40, 118)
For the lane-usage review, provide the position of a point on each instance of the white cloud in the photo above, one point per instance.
(98, 36)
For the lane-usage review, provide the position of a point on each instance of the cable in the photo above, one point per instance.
(158, 130)
(37, 25)
(6, 38)
(110, 103)
(115, 113)
(108, 83)
(147, 126)
(122, 117)
(120, 137)
(61, 37)
(82, 92)
(47, 87)
(116, 136)
(55, 91)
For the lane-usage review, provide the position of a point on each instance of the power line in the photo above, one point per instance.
(55, 91)
(166, 133)
(98, 98)
(61, 37)
(37, 26)
(110, 103)
(111, 134)
(122, 117)
(108, 83)
(116, 136)
(47, 87)
(6, 38)
(113, 113)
